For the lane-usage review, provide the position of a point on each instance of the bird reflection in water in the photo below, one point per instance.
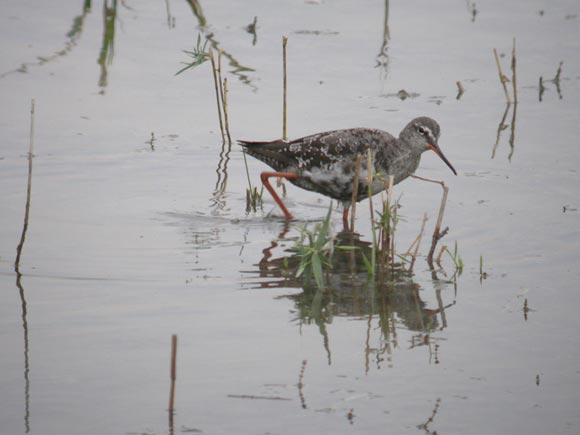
(394, 299)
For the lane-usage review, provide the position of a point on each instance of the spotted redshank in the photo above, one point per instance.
(325, 162)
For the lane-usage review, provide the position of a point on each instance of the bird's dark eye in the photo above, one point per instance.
(421, 130)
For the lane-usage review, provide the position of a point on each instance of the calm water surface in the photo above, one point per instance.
(131, 240)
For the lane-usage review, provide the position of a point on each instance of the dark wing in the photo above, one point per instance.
(319, 150)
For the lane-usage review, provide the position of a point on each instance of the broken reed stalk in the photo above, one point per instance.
(461, 89)
(354, 192)
(284, 42)
(437, 233)
(225, 104)
(502, 126)
(556, 79)
(441, 252)
(370, 193)
(173, 373)
(28, 191)
(418, 240)
(514, 81)
(217, 92)
(513, 132)
(410, 248)
(502, 77)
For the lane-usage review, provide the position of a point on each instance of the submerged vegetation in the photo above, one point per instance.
(457, 260)
(315, 248)
(319, 252)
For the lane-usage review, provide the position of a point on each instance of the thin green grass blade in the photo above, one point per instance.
(317, 271)
(367, 263)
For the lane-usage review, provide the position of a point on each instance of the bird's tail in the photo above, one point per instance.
(272, 153)
(251, 143)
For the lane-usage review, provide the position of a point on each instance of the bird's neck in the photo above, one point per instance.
(401, 160)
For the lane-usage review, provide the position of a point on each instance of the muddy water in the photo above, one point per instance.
(131, 240)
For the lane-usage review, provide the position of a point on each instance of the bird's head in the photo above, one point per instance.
(422, 134)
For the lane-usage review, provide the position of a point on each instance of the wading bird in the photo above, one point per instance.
(325, 162)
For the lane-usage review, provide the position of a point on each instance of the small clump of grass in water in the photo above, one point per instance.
(253, 199)
(253, 196)
(315, 248)
(383, 243)
(387, 223)
(457, 260)
(384, 227)
(382, 249)
(199, 54)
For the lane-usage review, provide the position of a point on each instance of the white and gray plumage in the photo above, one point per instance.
(325, 162)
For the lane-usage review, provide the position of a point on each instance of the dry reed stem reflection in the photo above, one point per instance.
(513, 66)
(461, 90)
(19, 248)
(173, 377)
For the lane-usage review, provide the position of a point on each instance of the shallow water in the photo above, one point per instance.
(130, 241)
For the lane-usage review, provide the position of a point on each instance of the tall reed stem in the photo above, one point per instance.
(354, 192)
(217, 92)
(28, 192)
(284, 110)
(225, 103)
(390, 236)
(370, 193)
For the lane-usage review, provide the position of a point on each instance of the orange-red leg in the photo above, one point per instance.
(345, 219)
(289, 176)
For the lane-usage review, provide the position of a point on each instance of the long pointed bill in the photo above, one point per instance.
(440, 154)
